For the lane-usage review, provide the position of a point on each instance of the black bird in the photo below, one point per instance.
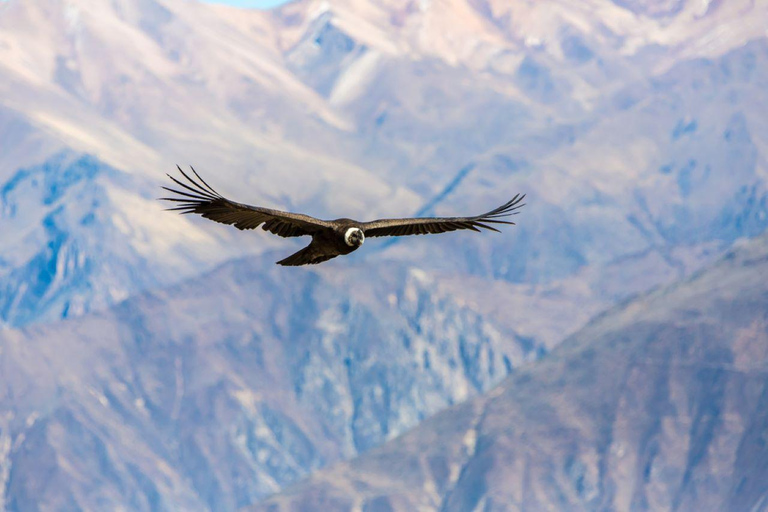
(330, 238)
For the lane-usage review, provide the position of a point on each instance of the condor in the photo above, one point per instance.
(330, 238)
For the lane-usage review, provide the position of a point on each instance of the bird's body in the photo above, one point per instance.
(327, 244)
(329, 238)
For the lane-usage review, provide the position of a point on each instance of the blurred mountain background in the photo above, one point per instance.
(659, 404)
(152, 361)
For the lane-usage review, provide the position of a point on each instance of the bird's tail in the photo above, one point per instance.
(307, 256)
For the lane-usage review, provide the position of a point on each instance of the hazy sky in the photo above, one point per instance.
(260, 4)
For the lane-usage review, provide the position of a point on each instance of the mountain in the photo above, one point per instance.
(104, 82)
(633, 130)
(218, 391)
(636, 129)
(658, 404)
(80, 235)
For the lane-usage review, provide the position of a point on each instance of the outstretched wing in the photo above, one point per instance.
(427, 225)
(199, 197)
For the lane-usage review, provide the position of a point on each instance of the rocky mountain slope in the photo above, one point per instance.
(659, 404)
(221, 390)
(75, 240)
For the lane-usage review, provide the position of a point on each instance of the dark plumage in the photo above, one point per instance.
(330, 238)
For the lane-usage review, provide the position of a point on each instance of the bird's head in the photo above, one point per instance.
(354, 237)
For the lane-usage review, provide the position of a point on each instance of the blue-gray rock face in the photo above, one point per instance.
(73, 241)
(659, 404)
(62, 254)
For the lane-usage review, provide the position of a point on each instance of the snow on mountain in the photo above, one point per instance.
(659, 404)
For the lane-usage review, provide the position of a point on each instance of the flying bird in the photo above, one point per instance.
(330, 238)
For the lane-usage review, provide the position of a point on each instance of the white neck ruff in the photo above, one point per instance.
(348, 235)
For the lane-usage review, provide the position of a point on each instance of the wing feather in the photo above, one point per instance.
(199, 197)
(425, 225)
